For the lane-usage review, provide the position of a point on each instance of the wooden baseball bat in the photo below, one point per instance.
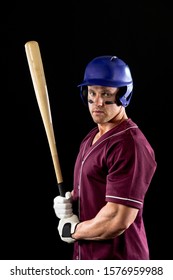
(40, 86)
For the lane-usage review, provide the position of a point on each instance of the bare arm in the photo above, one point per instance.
(112, 220)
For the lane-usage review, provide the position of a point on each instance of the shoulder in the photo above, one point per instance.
(129, 137)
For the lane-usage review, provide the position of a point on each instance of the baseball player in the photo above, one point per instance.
(103, 214)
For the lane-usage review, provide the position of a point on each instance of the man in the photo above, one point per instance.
(112, 173)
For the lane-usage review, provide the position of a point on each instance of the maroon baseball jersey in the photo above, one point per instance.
(117, 168)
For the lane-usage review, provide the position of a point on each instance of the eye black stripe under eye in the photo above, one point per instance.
(90, 101)
(109, 102)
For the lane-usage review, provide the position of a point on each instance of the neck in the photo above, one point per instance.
(119, 118)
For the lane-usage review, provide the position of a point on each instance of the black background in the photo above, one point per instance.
(69, 36)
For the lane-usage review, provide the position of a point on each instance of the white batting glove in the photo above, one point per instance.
(66, 228)
(63, 206)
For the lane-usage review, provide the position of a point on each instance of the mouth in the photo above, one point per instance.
(97, 112)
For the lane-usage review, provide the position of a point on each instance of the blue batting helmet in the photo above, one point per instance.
(109, 71)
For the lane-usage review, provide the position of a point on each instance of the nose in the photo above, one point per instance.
(98, 100)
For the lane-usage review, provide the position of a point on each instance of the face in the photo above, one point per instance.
(101, 103)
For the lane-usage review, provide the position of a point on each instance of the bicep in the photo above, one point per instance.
(117, 215)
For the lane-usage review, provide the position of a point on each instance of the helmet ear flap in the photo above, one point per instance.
(84, 94)
(124, 95)
(121, 92)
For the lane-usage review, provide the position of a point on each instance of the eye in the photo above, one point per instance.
(107, 94)
(91, 93)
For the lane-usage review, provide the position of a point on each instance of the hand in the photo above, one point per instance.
(63, 206)
(67, 227)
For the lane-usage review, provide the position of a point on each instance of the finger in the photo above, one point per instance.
(60, 206)
(59, 199)
(68, 195)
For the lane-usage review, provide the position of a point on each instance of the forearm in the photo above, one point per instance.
(97, 229)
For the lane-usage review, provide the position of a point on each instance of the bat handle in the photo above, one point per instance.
(62, 190)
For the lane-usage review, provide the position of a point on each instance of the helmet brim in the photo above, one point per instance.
(106, 83)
